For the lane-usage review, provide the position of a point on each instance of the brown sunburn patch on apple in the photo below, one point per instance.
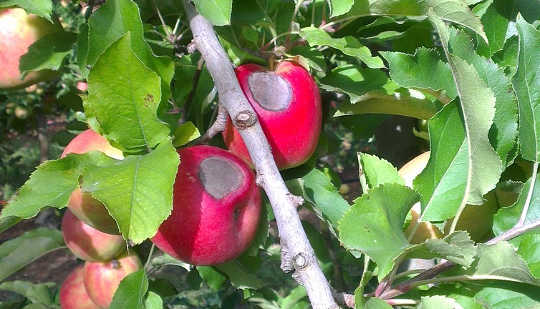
(271, 91)
(219, 176)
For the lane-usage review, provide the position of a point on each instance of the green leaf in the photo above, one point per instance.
(437, 302)
(495, 22)
(500, 262)
(442, 183)
(340, 7)
(42, 8)
(507, 217)
(185, 133)
(353, 81)
(378, 171)
(508, 295)
(376, 303)
(319, 190)
(212, 277)
(136, 193)
(7, 222)
(240, 274)
(50, 184)
(21, 251)
(423, 70)
(112, 21)
(456, 247)
(529, 250)
(530, 10)
(123, 98)
(374, 224)
(455, 11)
(503, 133)
(375, 102)
(153, 301)
(82, 50)
(36, 293)
(48, 52)
(347, 45)
(478, 110)
(131, 291)
(218, 12)
(527, 87)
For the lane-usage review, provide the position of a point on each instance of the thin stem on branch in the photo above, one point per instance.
(300, 254)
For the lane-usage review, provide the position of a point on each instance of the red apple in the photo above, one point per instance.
(101, 279)
(216, 208)
(83, 206)
(88, 243)
(73, 293)
(19, 30)
(288, 105)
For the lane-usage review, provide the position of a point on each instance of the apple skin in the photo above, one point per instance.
(206, 228)
(292, 128)
(88, 243)
(73, 293)
(19, 30)
(101, 279)
(83, 206)
(425, 230)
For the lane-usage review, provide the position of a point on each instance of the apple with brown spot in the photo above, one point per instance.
(73, 294)
(216, 208)
(19, 30)
(101, 279)
(288, 106)
(88, 243)
(83, 206)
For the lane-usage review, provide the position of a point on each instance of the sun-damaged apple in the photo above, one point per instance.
(88, 243)
(19, 30)
(83, 206)
(101, 279)
(73, 293)
(216, 208)
(288, 105)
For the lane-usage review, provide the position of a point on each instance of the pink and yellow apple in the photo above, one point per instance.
(19, 30)
(101, 279)
(83, 206)
(88, 243)
(216, 208)
(288, 105)
(73, 293)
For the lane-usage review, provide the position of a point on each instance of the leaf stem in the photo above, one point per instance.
(529, 195)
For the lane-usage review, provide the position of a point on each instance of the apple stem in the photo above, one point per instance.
(291, 232)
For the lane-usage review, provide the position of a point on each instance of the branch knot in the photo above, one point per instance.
(245, 119)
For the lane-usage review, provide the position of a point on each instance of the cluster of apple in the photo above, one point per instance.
(216, 202)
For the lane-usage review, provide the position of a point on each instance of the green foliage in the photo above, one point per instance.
(42, 8)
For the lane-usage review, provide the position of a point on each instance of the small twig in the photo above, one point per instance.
(163, 24)
(514, 232)
(149, 256)
(217, 127)
(344, 299)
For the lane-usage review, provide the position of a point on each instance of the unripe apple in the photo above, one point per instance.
(88, 243)
(288, 105)
(19, 30)
(101, 279)
(216, 208)
(424, 230)
(83, 206)
(73, 293)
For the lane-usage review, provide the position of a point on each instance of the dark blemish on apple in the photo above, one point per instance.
(219, 176)
(271, 91)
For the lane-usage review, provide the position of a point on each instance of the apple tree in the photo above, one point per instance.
(202, 149)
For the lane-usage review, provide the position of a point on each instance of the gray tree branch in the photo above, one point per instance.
(293, 238)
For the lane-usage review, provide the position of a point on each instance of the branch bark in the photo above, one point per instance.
(295, 245)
